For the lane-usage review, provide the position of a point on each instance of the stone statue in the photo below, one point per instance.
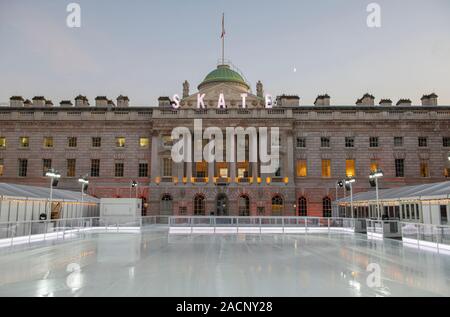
(186, 89)
(259, 90)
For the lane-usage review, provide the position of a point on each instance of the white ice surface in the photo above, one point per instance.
(154, 263)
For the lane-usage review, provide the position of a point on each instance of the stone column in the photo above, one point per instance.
(211, 172)
(289, 159)
(155, 170)
(233, 164)
(255, 170)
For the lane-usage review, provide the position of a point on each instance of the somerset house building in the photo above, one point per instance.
(114, 144)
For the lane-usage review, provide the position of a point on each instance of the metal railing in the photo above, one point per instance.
(426, 235)
(383, 228)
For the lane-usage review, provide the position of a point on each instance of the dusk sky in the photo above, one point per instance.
(146, 49)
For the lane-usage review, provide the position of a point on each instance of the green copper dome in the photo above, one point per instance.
(223, 73)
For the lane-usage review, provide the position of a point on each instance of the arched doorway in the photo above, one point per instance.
(222, 205)
(244, 206)
(277, 205)
(199, 205)
(166, 206)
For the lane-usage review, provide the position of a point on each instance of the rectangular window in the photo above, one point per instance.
(72, 142)
(373, 141)
(326, 168)
(95, 168)
(167, 141)
(119, 169)
(167, 167)
(301, 142)
(350, 168)
(349, 142)
(71, 167)
(444, 215)
(46, 165)
(144, 142)
(324, 142)
(447, 172)
(24, 142)
(2, 142)
(398, 141)
(143, 169)
(423, 142)
(48, 142)
(446, 141)
(2, 167)
(424, 170)
(302, 168)
(399, 168)
(120, 142)
(201, 169)
(374, 166)
(23, 167)
(96, 142)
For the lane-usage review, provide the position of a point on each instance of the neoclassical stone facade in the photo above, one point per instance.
(115, 143)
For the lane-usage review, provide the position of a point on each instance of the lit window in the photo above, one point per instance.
(167, 167)
(72, 142)
(48, 142)
(326, 168)
(71, 167)
(373, 165)
(243, 168)
(144, 142)
(447, 172)
(302, 168)
(223, 172)
(201, 169)
(350, 168)
(167, 141)
(2, 142)
(120, 142)
(46, 166)
(2, 166)
(24, 141)
(277, 206)
(424, 171)
(199, 205)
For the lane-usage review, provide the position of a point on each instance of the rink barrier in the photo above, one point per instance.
(426, 236)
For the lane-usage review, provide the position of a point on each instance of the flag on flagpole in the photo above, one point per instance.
(223, 26)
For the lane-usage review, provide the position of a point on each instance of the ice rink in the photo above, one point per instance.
(157, 264)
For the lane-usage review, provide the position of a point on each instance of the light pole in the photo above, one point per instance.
(339, 184)
(349, 183)
(54, 177)
(373, 178)
(84, 182)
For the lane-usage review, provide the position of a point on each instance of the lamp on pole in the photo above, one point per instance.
(54, 179)
(84, 183)
(134, 184)
(339, 184)
(373, 179)
(349, 184)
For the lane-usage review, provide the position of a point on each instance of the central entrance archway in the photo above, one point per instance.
(222, 205)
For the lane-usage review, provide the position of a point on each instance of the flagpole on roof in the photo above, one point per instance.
(223, 39)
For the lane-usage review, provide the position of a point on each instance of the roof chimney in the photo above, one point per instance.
(81, 101)
(123, 101)
(366, 100)
(322, 100)
(39, 101)
(430, 100)
(101, 101)
(16, 101)
(288, 101)
(66, 103)
(385, 102)
(164, 102)
(404, 102)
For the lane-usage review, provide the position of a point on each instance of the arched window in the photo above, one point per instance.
(244, 206)
(326, 207)
(302, 207)
(166, 205)
(199, 205)
(277, 206)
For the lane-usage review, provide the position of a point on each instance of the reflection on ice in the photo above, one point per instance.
(154, 263)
